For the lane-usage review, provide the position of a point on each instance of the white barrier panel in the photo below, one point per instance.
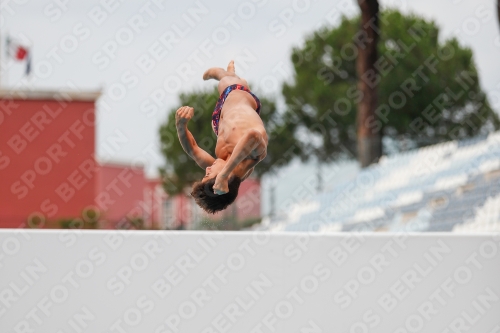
(194, 282)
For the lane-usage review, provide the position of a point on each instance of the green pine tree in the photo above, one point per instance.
(427, 87)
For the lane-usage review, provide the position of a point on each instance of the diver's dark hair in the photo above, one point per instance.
(203, 194)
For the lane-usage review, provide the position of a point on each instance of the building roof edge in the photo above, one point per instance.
(56, 95)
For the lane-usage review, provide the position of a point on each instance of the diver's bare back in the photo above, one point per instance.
(238, 116)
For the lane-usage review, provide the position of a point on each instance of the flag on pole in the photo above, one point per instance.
(19, 52)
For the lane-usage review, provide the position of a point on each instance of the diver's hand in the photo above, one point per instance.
(221, 186)
(183, 115)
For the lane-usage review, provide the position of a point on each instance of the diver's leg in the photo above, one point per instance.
(225, 77)
(219, 73)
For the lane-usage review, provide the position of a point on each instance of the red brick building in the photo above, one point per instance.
(47, 154)
(48, 165)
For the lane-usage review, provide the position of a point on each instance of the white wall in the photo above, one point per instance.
(109, 281)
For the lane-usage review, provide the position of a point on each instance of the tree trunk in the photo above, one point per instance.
(319, 177)
(369, 139)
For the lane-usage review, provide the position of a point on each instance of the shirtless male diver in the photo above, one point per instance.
(241, 140)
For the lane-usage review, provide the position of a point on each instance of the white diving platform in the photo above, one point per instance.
(60, 281)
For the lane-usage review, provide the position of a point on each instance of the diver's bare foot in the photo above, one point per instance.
(212, 73)
(230, 67)
(218, 73)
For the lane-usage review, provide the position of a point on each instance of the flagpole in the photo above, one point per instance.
(3, 66)
(6, 72)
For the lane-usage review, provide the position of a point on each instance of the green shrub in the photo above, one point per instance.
(71, 223)
(35, 220)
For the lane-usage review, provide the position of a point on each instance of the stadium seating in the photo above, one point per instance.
(453, 186)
